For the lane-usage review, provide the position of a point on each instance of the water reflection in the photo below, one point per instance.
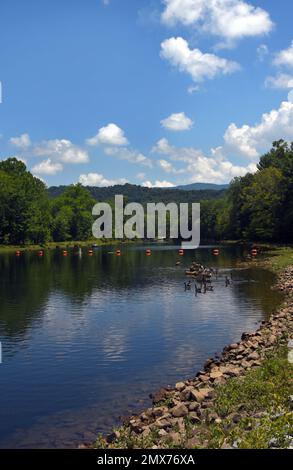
(86, 339)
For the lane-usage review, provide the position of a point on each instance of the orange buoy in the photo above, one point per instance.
(216, 252)
(65, 252)
(118, 252)
(90, 252)
(40, 253)
(254, 252)
(148, 252)
(18, 253)
(181, 252)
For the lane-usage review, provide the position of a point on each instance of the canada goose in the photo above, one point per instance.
(197, 289)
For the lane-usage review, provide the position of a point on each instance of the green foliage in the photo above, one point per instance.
(28, 216)
(257, 207)
(259, 389)
(71, 213)
(24, 213)
(134, 193)
(264, 398)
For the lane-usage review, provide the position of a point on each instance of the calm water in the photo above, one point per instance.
(86, 339)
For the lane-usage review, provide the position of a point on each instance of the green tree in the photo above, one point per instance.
(263, 202)
(72, 219)
(25, 214)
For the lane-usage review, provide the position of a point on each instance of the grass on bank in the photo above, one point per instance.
(260, 404)
(252, 412)
(279, 258)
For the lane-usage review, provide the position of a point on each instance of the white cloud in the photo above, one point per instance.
(280, 81)
(285, 57)
(199, 167)
(109, 135)
(96, 179)
(162, 147)
(169, 168)
(158, 184)
(250, 141)
(130, 155)
(21, 142)
(47, 167)
(194, 62)
(62, 150)
(229, 19)
(177, 122)
(166, 166)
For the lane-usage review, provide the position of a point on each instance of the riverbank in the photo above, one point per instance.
(275, 258)
(68, 244)
(241, 400)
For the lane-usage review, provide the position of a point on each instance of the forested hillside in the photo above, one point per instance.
(256, 207)
(142, 195)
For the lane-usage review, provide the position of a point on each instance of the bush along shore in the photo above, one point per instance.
(244, 399)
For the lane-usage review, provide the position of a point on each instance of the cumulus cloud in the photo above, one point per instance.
(250, 141)
(199, 167)
(96, 179)
(284, 61)
(280, 81)
(56, 153)
(166, 166)
(228, 19)
(194, 62)
(21, 142)
(162, 147)
(177, 122)
(109, 135)
(158, 184)
(47, 167)
(62, 150)
(285, 57)
(130, 155)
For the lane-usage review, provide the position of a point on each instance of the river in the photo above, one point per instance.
(85, 339)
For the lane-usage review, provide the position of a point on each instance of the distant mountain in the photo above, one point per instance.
(203, 186)
(134, 193)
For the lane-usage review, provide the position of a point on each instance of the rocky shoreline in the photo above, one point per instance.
(164, 424)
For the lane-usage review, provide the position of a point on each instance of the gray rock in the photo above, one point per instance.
(179, 411)
(180, 386)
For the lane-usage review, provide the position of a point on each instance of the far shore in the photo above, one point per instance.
(271, 248)
(66, 244)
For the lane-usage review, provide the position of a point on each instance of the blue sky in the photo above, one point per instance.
(151, 92)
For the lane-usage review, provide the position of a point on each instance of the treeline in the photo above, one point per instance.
(256, 207)
(142, 195)
(28, 215)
